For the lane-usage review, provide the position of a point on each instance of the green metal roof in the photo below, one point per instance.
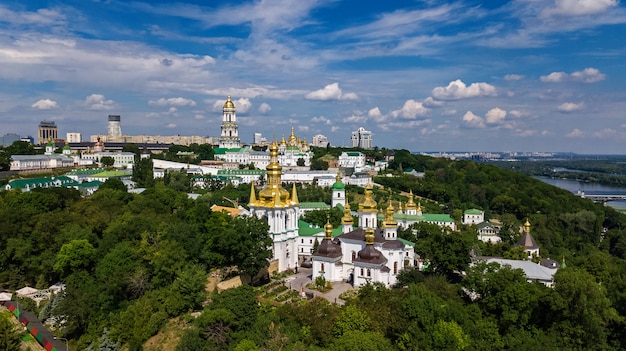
(308, 229)
(93, 183)
(406, 242)
(338, 186)
(86, 171)
(111, 174)
(240, 172)
(219, 151)
(353, 153)
(473, 211)
(425, 217)
(41, 182)
(321, 205)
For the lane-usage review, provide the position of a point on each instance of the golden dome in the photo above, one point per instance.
(369, 204)
(390, 222)
(328, 229)
(527, 226)
(229, 103)
(347, 217)
(410, 205)
(369, 236)
(274, 195)
(292, 138)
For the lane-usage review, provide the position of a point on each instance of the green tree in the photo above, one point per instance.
(107, 161)
(351, 319)
(142, 172)
(131, 147)
(5, 160)
(21, 148)
(361, 341)
(446, 253)
(449, 336)
(300, 162)
(75, 255)
(113, 183)
(582, 309)
(10, 338)
(318, 165)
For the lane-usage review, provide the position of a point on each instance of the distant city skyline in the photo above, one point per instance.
(542, 75)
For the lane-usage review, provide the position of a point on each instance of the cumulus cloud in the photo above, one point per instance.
(330, 92)
(570, 106)
(513, 77)
(575, 133)
(495, 116)
(410, 110)
(98, 102)
(470, 120)
(457, 90)
(588, 75)
(44, 104)
(516, 113)
(579, 7)
(355, 119)
(374, 113)
(170, 125)
(264, 108)
(178, 101)
(303, 128)
(320, 120)
(430, 102)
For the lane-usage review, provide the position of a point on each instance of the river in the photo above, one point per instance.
(589, 188)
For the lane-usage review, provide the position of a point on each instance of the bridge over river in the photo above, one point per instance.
(602, 197)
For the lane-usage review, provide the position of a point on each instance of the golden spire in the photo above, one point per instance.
(410, 205)
(369, 204)
(390, 222)
(283, 142)
(294, 195)
(347, 217)
(328, 229)
(527, 226)
(292, 138)
(274, 194)
(369, 236)
(419, 206)
(252, 201)
(338, 176)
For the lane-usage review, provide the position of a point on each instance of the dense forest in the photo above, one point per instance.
(136, 265)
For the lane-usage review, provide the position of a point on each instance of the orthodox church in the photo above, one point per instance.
(366, 253)
(281, 210)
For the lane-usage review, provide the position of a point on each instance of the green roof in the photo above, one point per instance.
(91, 184)
(86, 171)
(473, 211)
(353, 153)
(425, 217)
(321, 205)
(308, 229)
(111, 174)
(406, 242)
(219, 150)
(41, 182)
(338, 186)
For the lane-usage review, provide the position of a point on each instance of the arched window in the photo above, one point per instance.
(369, 272)
(322, 267)
(395, 268)
(353, 257)
(361, 271)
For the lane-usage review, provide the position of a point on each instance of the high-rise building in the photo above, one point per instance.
(362, 138)
(47, 131)
(114, 127)
(229, 138)
(259, 139)
(319, 140)
(73, 137)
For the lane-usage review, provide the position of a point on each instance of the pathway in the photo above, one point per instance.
(303, 277)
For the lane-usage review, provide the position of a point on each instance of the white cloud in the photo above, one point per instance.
(570, 106)
(374, 113)
(495, 116)
(472, 121)
(199, 116)
(588, 75)
(303, 128)
(579, 7)
(170, 125)
(457, 90)
(45, 104)
(516, 113)
(334, 128)
(330, 92)
(178, 101)
(98, 102)
(430, 102)
(410, 110)
(513, 77)
(355, 119)
(575, 133)
(320, 120)
(554, 77)
(264, 108)
(243, 105)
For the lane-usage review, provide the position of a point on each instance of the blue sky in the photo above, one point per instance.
(525, 75)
